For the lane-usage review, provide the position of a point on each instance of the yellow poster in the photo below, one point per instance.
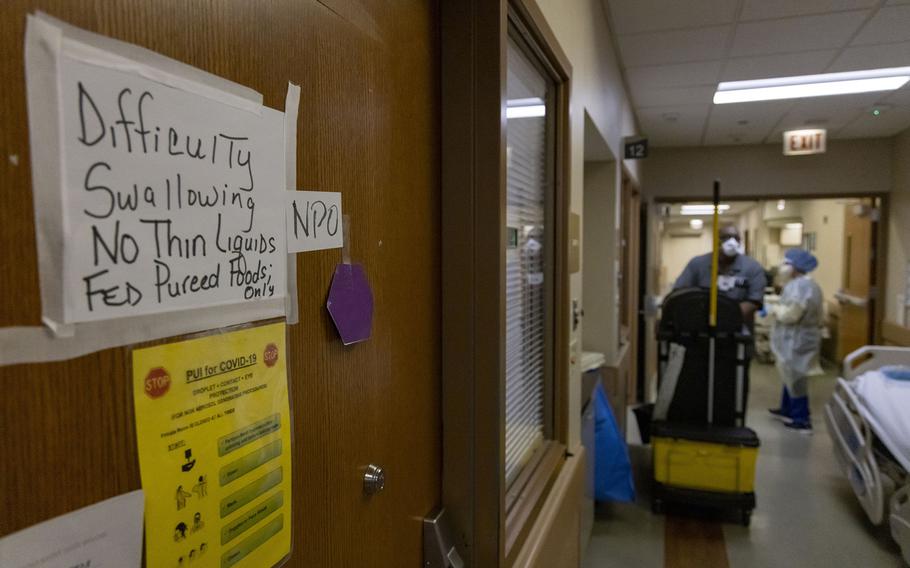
(213, 429)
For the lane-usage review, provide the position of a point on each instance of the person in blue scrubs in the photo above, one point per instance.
(739, 277)
(796, 337)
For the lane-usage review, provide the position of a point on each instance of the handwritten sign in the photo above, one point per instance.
(313, 220)
(171, 200)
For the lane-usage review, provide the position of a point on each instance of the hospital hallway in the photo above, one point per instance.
(807, 515)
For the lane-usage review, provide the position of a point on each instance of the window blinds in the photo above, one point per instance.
(526, 278)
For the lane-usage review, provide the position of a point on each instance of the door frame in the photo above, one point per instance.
(880, 262)
(474, 38)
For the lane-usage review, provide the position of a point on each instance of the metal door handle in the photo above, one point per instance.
(844, 298)
(373, 480)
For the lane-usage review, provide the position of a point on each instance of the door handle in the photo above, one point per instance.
(373, 480)
(844, 298)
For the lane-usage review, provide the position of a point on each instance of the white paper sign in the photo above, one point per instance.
(171, 200)
(313, 220)
(104, 535)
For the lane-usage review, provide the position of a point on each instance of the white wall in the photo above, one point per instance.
(825, 218)
(850, 167)
(759, 235)
(676, 252)
(598, 91)
(898, 233)
(598, 279)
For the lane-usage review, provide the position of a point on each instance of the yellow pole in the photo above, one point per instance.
(715, 257)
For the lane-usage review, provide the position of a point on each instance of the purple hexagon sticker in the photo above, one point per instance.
(350, 303)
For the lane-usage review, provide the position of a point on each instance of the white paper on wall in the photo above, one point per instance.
(49, 45)
(313, 220)
(171, 200)
(108, 533)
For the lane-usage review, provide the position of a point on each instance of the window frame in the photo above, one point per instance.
(491, 521)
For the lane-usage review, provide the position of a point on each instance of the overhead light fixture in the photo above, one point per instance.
(696, 224)
(526, 108)
(794, 225)
(803, 86)
(706, 209)
(781, 204)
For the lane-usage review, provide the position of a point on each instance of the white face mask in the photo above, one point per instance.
(730, 247)
(785, 272)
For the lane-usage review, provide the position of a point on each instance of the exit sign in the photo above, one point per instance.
(802, 142)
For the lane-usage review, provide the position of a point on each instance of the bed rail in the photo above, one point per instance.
(854, 450)
(871, 357)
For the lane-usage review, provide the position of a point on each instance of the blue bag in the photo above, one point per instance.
(612, 469)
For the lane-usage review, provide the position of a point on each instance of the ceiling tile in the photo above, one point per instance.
(831, 113)
(873, 57)
(765, 9)
(780, 65)
(679, 125)
(796, 34)
(889, 25)
(899, 97)
(675, 52)
(673, 96)
(676, 75)
(633, 16)
(747, 123)
(868, 126)
(679, 46)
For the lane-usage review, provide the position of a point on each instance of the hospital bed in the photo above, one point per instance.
(869, 420)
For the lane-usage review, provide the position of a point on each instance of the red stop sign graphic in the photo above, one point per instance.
(157, 382)
(271, 354)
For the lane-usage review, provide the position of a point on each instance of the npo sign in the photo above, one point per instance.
(801, 142)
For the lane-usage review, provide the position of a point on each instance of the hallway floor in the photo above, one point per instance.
(807, 515)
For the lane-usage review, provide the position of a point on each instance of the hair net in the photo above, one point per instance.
(801, 260)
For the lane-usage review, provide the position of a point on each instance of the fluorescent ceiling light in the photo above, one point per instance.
(804, 86)
(702, 209)
(794, 225)
(781, 205)
(696, 224)
(526, 108)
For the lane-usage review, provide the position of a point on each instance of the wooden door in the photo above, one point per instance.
(369, 128)
(854, 298)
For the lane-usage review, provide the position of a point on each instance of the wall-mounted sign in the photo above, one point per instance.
(213, 435)
(313, 220)
(167, 193)
(802, 142)
(108, 533)
(636, 149)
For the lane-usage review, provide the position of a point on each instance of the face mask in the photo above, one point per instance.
(785, 272)
(730, 247)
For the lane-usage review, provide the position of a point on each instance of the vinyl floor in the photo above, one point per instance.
(807, 515)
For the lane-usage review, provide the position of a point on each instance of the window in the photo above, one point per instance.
(505, 271)
(529, 258)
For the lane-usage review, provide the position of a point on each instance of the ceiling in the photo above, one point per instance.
(674, 53)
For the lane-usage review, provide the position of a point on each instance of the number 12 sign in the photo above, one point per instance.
(636, 149)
